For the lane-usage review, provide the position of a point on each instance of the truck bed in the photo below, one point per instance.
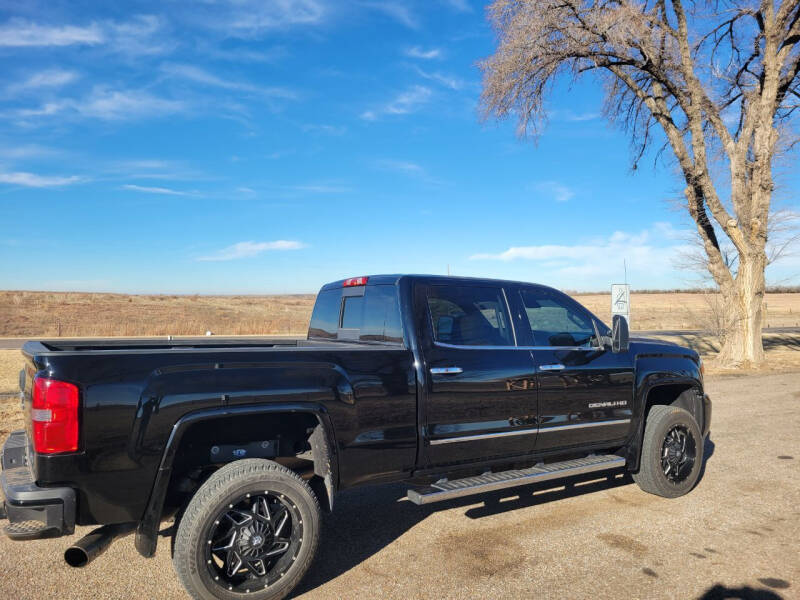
(86, 345)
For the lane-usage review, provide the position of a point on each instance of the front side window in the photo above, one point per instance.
(555, 321)
(469, 316)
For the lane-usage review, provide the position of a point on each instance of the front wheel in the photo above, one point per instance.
(672, 452)
(250, 531)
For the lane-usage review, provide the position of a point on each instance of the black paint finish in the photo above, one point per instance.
(384, 412)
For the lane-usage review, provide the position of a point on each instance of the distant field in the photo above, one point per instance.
(33, 314)
(37, 314)
(683, 310)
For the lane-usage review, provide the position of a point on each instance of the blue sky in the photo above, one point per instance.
(268, 147)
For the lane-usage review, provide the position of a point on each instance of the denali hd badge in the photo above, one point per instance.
(608, 404)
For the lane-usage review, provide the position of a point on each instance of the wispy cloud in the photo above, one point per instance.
(201, 76)
(250, 249)
(18, 33)
(417, 52)
(555, 190)
(451, 81)
(243, 55)
(251, 18)
(400, 166)
(49, 78)
(600, 257)
(326, 129)
(141, 35)
(24, 151)
(580, 117)
(155, 190)
(37, 181)
(398, 11)
(459, 5)
(571, 116)
(152, 169)
(137, 36)
(404, 103)
(322, 188)
(408, 168)
(107, 104)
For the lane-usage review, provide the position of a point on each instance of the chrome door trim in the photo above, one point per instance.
(554, 348)
(581, 425)
(481, 436)
(446, 370)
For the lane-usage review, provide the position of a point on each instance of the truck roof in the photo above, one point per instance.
(395, 278)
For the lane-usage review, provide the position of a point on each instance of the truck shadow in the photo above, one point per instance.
(366, 520)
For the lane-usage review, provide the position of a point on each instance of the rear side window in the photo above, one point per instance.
(555, 320)
(325, 318)
(373, 317)
(469, 316)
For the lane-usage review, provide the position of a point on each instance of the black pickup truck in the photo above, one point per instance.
(456, 386)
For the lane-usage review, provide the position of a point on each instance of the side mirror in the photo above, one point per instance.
(620, 336)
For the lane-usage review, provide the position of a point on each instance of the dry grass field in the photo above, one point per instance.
(73, 314)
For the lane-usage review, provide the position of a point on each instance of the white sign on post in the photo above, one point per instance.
(621, 301)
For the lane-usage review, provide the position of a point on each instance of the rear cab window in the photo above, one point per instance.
(368, 314)
(463, 315)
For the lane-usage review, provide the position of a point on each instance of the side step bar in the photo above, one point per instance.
(489, 482)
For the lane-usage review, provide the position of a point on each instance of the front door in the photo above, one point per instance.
(481, 388)
(585, 390)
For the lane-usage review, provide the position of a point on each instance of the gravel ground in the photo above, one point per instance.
(735, 536)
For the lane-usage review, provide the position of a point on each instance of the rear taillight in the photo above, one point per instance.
(54, 411)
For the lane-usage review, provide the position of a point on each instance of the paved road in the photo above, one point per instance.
(682, 332)
(16, 343)
(735, 536)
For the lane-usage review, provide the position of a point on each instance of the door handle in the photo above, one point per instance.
(446, 370)
(556, 367)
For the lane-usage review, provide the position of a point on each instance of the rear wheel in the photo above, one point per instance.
(250, 531)
(672, 452)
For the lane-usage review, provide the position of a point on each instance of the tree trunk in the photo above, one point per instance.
(744, 300)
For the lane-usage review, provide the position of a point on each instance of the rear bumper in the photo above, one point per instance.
(706, 414)
(33, 512)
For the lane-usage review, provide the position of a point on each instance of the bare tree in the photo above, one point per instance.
(718, 79)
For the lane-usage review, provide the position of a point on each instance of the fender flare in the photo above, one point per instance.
(147, 530)
(634, 448)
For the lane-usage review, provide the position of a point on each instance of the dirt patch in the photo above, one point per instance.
(624, 543)
(478, 553)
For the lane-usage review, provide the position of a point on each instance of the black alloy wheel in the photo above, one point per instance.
(678, 453)
(254, 541)
(250, 531)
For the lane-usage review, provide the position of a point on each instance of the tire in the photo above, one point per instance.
(665, 470)
(258, 513)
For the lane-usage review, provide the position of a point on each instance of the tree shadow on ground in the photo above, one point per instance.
(721, 592)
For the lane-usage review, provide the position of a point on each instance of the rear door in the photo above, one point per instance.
(585, 391)
(481, 392)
